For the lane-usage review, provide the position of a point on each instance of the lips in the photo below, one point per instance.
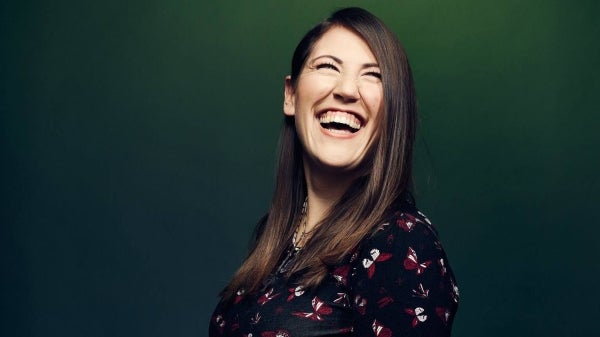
(341, 122)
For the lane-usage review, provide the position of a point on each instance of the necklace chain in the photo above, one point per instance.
(292, 252)
(302, 225)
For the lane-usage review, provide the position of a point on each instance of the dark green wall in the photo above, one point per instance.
(138, 138)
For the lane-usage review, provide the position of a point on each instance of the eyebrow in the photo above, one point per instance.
(338, 60)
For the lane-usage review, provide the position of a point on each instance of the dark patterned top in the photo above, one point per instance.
(396, 283)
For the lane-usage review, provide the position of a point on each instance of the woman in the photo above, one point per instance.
(343, 250)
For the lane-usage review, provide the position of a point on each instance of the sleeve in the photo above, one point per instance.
(402, 283)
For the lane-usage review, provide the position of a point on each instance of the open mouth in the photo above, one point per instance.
(339, 122)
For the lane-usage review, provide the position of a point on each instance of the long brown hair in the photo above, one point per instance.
(369, 199)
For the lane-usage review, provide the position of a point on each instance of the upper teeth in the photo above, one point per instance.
(340, 117)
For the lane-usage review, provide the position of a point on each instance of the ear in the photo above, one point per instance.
(289, 108)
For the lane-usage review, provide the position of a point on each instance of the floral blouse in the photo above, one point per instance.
(396, 283)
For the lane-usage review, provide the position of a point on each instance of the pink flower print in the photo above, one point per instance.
(341, 273)
(455, 294)
(319, 309)
(407, 221)
(277, 333)
(343, 299)
(238, 296)
(442, 267)
(418, 314)
(412, 262)
(220, 322)
(295, 292)
(235, 324)
(255, 319)
(443, 314)
(424, 217)
(354, 256)
(380, 330)
(346, 330)
(266, 297)
(376, 256)
(385, 301)
(360, 304)
(420, 292)
(383, 226)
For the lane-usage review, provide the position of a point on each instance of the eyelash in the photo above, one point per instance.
(332, 66)
(326, 65)
(374, 74)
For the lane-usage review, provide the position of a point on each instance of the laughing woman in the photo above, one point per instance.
(343, 249)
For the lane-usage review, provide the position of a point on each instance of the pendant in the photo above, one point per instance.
(288, 260)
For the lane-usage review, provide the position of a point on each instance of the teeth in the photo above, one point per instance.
(340, 117)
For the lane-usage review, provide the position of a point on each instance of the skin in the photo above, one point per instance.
(340, 74)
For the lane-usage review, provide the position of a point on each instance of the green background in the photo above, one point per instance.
(138, 140)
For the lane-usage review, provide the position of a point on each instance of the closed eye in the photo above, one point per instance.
(374, 74)
(326, 66)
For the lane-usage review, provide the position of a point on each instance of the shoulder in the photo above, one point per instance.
(403, 230)
(401, 279)
(405, 245)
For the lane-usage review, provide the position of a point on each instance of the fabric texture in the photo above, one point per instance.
(397, 282)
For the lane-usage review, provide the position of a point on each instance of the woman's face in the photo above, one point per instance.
(337, 100)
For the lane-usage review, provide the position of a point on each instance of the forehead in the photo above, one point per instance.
(344, 44)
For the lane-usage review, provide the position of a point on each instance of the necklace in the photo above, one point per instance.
(303, 216)
(293, 251)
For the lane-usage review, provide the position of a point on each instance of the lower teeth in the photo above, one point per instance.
(339, 131)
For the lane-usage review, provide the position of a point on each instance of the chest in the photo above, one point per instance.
(286, 310)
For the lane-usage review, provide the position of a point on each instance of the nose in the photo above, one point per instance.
(346, 89)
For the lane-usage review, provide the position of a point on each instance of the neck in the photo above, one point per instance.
(324, 188)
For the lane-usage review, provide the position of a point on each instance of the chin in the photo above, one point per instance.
(341, 165)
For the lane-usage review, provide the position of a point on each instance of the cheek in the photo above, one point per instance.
(373, 98)
(312, 88)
